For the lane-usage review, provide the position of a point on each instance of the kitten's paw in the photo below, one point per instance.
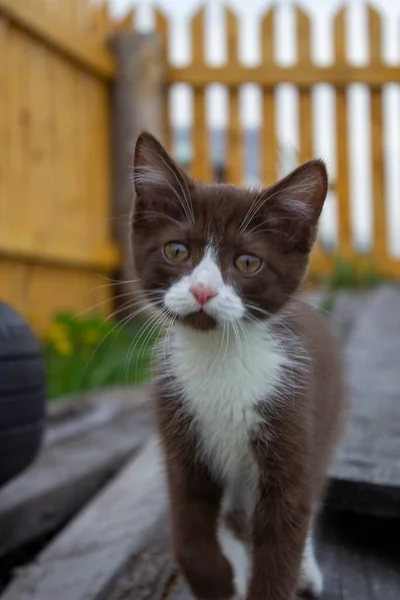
(310, 584)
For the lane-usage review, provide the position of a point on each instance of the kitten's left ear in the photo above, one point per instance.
(155, 170)
(294, 204)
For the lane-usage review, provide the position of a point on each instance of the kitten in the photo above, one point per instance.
(249, 392)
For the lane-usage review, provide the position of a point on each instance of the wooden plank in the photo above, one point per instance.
(5, 112)
(84, 560)
(269, 143)
(339, 75)
(50, 31)
(366, 471)
(21, 244)
(37, 143)
(358, 557)
(342, 145)
(377, 142)
(201, 167)
(305, 99)
(150, 572)
(77, 460)
(162, 28)
(235, 140)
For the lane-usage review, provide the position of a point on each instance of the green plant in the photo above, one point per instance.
(347, 275)
(89, 353)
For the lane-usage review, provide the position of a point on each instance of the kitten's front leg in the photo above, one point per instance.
(279, 531)
(195, 503)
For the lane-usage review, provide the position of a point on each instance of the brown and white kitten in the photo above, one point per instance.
(249, 391)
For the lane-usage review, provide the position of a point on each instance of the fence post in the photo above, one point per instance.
(137, 103)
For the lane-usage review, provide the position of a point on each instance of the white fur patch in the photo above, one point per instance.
(238, 557)
(222, 374)
(310, 579)
(225, 307)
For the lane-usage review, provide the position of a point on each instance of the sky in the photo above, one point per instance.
(322, 12)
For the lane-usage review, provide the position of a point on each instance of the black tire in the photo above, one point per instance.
(22, 394)
(18, 448)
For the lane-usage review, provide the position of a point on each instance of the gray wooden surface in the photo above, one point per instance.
(366, 472)
(69, 472)
(82, 562)
(118, 548)
(358, 556)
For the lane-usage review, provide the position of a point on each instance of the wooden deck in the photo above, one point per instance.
(359, 558)
(118, 548)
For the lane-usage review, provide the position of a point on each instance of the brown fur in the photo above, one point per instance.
(303, 431)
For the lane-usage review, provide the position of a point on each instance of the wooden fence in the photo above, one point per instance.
(305, 75)
(55, 168)
(56, 72)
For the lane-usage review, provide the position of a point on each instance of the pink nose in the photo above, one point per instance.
(203, 294)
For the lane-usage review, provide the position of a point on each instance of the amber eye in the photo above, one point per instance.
(176, 253)
(247, 264)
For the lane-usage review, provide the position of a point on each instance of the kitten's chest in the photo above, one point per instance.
(222, 380)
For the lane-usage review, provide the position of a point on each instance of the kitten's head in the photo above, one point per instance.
(215, 254)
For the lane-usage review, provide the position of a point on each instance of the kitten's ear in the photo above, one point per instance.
(155, 173)
(294, 204)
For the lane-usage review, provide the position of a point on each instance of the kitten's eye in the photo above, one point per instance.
(247, 264)
(176, 253)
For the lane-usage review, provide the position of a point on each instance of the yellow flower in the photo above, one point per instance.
(63, 347)
(91, 337)
(57, 332)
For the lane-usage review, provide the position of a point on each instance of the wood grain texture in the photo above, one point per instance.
(75, 462)
(60, 35)
(84, 560)
(55, 193)
(150, 572)
(358, 557)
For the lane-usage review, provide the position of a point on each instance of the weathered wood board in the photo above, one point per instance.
(358, 556)
(118, 548)
(366, 472)
(84, 560)
(74, 464)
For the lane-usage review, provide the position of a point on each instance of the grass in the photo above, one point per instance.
(90, 353)
(347, 276)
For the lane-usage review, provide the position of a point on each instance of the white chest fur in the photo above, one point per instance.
(222, 376)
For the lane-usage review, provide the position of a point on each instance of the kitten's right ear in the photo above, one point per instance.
(155, 171)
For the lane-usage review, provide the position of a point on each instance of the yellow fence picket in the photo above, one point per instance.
(305, 99)
(377, 145)
(235, 150)
(201, 167)
(162, 29)
(269, 145)
(342, 144)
